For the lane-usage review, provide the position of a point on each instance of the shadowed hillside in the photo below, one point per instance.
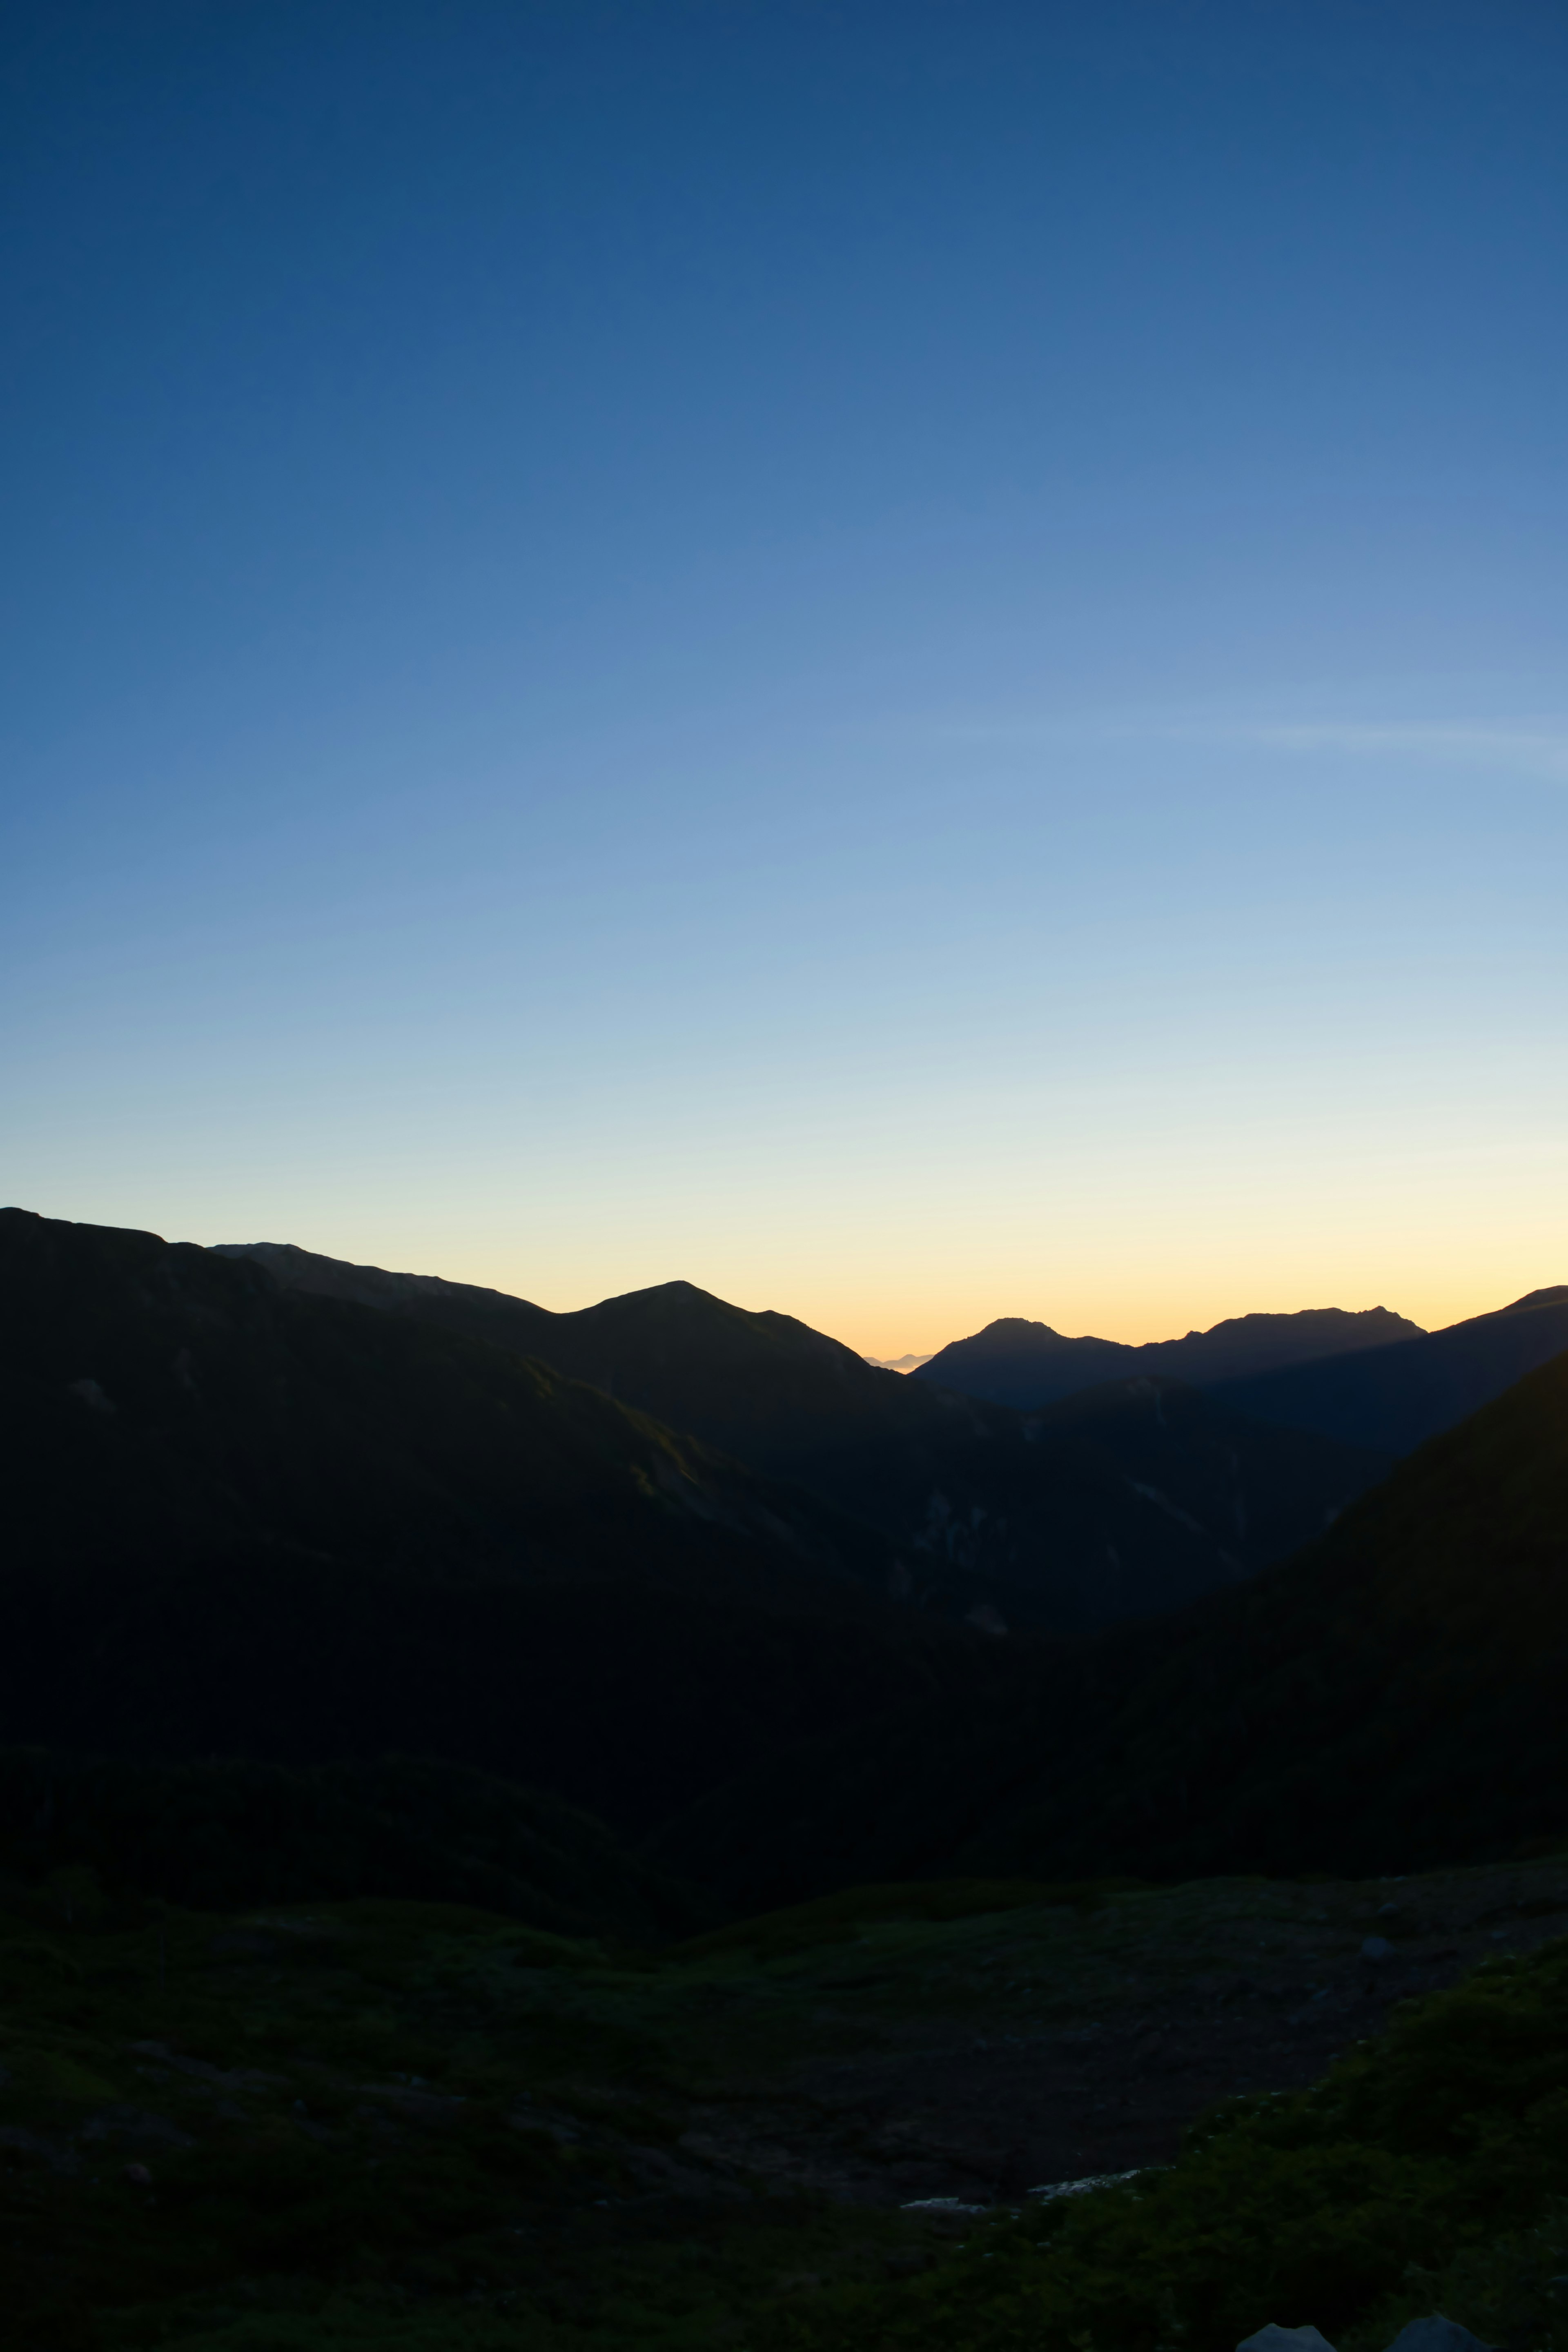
(1393, 1398)
(245, 1521)
(1132, 1501)
(419, 2127)
(1391, 1698)
(218, 1834)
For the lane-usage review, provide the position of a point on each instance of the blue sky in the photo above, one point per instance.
(905, 660)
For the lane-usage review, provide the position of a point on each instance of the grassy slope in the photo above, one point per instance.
(420, 2126)
(1391, 1698)
(1428, 2169)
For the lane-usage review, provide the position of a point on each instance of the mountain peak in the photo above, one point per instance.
(1017, 1362)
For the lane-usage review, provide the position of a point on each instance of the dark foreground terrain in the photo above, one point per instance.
(422, 1748)
(417, 2125)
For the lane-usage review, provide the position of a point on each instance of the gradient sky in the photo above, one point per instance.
(904, 659)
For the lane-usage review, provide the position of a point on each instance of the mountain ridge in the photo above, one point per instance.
(1396, 1398)
(1053, 1519)
(299, 1530)
(1028, 1364)
(1388, 1699)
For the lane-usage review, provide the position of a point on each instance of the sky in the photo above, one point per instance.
(905, 660)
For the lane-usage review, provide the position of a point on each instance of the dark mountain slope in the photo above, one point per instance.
(1122, 1506)
(1391, 1698)
(201, 1396)
(243, 1521)
(761, 1386)
(1025, 1364)
(1252, 1343)
(463, 1306)
(1015, 1362)
(1393, 1398)
(1263, 1490)
(222, 1834)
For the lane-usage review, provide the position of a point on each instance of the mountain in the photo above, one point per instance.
(1370, 1379)
(1134, 1501)
(1390, 1699)
(244, 1520)
(1393, 1398)
(222, 1833)
(1025, 1364)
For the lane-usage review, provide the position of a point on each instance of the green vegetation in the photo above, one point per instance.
(842, 1918)
(1431, 2164)
(397, 2123)
(306, 2129)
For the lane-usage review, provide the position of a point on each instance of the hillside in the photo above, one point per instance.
(416, 2126)
(1017, 1362)
(245, 1521)
(220, 1833)
(1391, 1698)
(1393, 1398)
(1130, 1502)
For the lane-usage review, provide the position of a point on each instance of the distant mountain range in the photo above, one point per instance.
(1394, 1398)
(1370, 1379)
(1025, 1364)
(1129, 1499)
(706, 1572)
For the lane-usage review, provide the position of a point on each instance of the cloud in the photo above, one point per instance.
(1536, 746)
(1539, 749)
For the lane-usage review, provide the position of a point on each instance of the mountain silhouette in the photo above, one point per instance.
(245, 1521)
(1135, 1500)
(1393, 1398)
(254, 1521)
(1389, 1700)
(1013, 1361)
